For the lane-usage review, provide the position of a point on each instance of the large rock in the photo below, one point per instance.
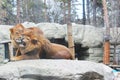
(4, 32)
(87, 35)
(55, 70)
(52, 30)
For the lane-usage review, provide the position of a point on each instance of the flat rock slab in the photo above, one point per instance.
(42, 69)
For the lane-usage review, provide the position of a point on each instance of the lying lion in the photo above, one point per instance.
(33, 45)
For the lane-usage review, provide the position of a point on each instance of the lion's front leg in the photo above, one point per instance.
(18, 53)
(17, 58)
(24, 57)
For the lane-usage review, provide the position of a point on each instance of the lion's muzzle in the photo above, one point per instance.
(20, 41)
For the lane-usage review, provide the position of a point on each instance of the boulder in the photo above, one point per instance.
(4, 32)
(52, 30)
(82, 34)
(55, 70)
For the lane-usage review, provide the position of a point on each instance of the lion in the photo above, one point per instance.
(15, 35)
(35, 46)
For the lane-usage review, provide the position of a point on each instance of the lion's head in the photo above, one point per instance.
(15, 34)
(30, 40)
(25, 40)
(18, 30)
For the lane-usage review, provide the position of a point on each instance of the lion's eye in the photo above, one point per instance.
(28, 38)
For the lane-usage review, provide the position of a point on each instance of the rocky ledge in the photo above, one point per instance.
(55, 70)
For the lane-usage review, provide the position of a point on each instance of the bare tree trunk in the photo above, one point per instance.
(106, 56)
(69, 31)
(26, 10)
(84, 16)
(88, 11)
(64, 12)
(45, 11)
(119, 13)
(94, 12)
(18, 11)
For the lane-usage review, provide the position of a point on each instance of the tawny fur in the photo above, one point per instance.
(15, 33)
(37, 46)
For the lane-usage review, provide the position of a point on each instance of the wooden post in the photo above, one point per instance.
(69, 31)
(70, 39)
(106, 55)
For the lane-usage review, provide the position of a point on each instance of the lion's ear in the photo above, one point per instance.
(34, 41)
(20, 25)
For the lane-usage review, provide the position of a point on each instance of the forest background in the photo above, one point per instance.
(56, 11)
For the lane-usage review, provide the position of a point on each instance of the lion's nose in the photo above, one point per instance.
(22, 39)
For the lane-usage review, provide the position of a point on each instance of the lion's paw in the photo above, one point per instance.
(14, 59)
